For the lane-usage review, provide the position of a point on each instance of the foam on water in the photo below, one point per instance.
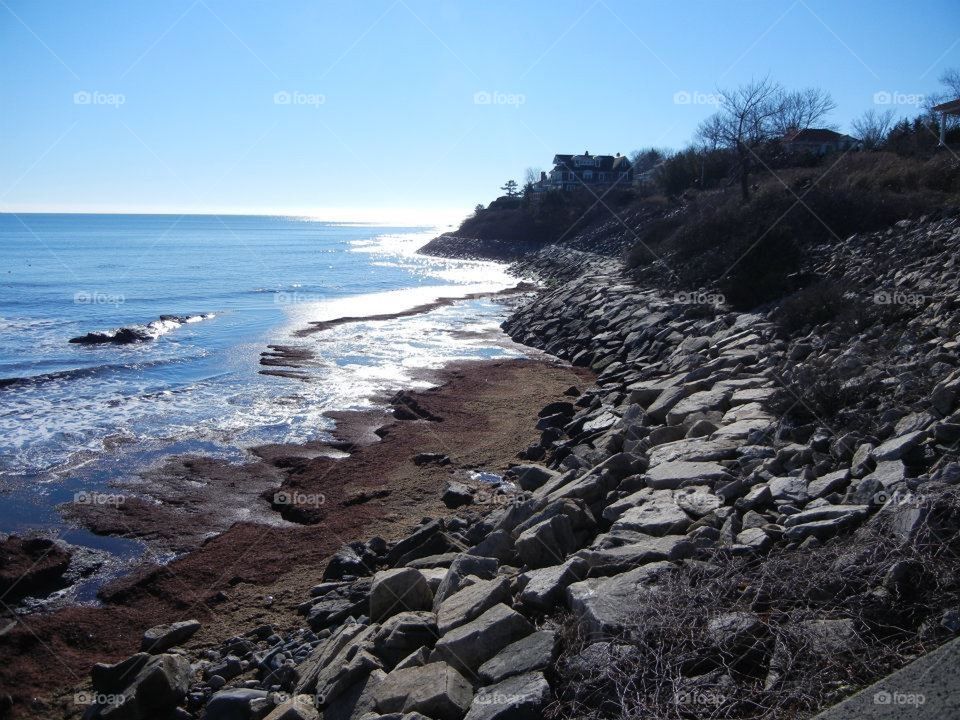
(94, 414)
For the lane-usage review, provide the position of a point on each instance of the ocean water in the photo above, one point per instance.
(77, 417)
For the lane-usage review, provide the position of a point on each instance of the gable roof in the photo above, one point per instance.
(605, 162)
(951, 107)
(815, 135)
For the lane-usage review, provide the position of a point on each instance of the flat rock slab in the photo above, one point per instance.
(163, 637)
(522, 697)
(534, 652)
(672, 475)
(606, 606)
(694, 450)
(620, 559)
(654, 518)
(471, 602)
(932, 678)
(435, 689)
(467, 647)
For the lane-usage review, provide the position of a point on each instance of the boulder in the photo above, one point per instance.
(141, 686)
(547, 543)
(163, 637)
(469, 646)
(644, 550)
(606, 606)
(543, 588)
(456, 494)
(404, 634)
(299, 707)
(522, 697)
(471, 602)
(232, 704)
(436, 690)
(654, 518)
(675, 474)
(534, 652)
(396, 590)
(462, 567)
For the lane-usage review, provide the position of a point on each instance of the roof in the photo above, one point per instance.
(951, 107)
(607, 162)
(815, 135)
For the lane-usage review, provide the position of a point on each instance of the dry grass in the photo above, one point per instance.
(889, 597)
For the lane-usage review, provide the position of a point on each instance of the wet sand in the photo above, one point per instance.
(268, 555)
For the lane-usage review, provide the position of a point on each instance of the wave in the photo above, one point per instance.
(77, 373)
(140, 333)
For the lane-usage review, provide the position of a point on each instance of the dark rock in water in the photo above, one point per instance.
(123, 336)
(139, 333)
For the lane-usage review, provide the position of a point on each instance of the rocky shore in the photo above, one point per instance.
(744, 515)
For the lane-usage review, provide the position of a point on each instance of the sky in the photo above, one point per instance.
(404, 110)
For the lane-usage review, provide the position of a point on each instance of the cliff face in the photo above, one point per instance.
(747, 515)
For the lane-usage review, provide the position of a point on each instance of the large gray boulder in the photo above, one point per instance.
(675, 474)
(142, 686)
(437, 690)
(606, 606)
(396, 590)
(547, 543)
(654, 518)
(163, 637)
(469, 646)
(522, 697)
(471, 602)
(543, 588)
(462, 567)
(403, 634)
(618, 559)
(534, 652)
(232, 704)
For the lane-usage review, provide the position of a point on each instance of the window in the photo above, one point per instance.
(588, 174)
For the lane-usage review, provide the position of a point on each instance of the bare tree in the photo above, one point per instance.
(748, 117)
(801, 109)
(951, 79)
(531, 176)
(646, 159)
(872, 127)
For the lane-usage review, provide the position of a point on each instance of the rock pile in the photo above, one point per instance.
(682, 454)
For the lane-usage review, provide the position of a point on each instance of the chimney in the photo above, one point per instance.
(543, 176)
(618, 154)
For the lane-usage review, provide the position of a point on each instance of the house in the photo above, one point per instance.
(948, 108)
(571, 172)
(818, 141)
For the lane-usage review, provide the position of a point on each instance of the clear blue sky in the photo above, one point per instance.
(178, 106)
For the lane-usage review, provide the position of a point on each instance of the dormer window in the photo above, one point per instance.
(588, 174)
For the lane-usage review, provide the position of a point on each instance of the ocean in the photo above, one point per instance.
(77, 417)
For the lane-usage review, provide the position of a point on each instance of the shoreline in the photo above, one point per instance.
(251, 572)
